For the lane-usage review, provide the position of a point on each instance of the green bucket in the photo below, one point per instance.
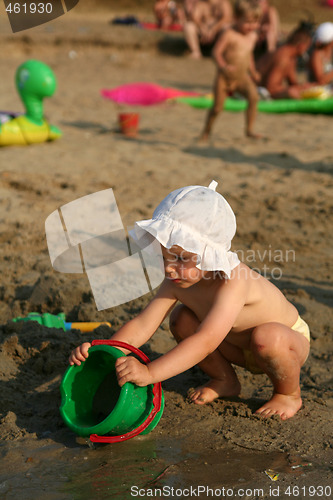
(94, 405)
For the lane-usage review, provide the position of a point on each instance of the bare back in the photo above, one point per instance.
(276, 68)
(263, 302)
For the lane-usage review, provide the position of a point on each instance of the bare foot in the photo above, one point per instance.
(284, 405)
(212, 390)
(252, 135)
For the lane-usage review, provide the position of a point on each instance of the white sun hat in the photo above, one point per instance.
(324, 33)
(199, 220)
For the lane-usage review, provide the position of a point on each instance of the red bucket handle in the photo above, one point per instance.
(157, 397)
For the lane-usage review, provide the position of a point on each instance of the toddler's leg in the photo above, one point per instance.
(220, 94)
(280, 352)
(223, 379)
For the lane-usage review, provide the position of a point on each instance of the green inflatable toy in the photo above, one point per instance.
(34, 81)
(314, 106)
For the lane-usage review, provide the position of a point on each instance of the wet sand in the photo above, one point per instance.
(281, 191)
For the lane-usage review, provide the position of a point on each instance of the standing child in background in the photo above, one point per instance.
(228, 314)
(233, 54)
(321, 58)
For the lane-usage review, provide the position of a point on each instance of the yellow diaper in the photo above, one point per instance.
(250, 363)
(301, 327)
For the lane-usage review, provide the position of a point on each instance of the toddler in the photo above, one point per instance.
(227, 313)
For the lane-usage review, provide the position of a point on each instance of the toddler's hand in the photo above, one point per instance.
(129, 369)
(79, 354)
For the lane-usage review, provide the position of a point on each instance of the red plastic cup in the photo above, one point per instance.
(129, 124)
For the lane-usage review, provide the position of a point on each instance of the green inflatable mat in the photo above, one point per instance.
(315, 106)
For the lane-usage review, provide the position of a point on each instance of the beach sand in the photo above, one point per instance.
(281, 191)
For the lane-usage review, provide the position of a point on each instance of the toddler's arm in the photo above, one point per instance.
(79, 354)
(212, 331)
(138, 330)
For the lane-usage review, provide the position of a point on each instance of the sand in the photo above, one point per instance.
(281, 191)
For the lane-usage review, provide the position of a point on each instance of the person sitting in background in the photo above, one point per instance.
(189, 6)
(279, 69)
(205, 22)
(269, 29)
(321, 58)
(167, 13)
